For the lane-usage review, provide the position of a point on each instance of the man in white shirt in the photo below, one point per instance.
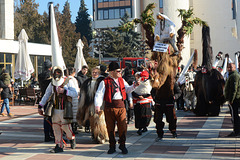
(113, 91)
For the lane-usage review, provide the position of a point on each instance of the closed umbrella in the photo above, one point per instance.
(80, 60)
(57, 58)
(23, 67)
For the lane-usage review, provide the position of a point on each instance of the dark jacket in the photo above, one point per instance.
(6, 90)
(232, 88)
(81, 78)
(128, 77)
(177, 91)
(167, 98)
(44, 79)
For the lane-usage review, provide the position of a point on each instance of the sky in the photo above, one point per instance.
(74, 6)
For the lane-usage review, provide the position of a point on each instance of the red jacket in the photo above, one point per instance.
(110, 85)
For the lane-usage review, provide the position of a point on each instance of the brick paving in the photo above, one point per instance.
(198, 138)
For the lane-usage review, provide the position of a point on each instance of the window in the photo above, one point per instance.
(40, 61)
(105, 0)
(116, 13)
(1, 57)
(128, 10)
(111, 14)
(105, 14)
(122, 12)
(9, 58)
(134, 64)
(100, 14)
(234, 9)
(161, 3)
(128, 63)
(100, 1)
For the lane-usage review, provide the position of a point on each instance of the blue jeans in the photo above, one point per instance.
(5, 103)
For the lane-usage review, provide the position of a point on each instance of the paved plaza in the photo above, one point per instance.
(22, 137)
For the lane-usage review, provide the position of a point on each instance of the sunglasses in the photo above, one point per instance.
(118, 71)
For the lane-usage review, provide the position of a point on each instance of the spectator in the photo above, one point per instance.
(6, 93)
(129, 78)
(44, 79)
(82, 75)
(103, 70)
(232, 95)
(71, 72)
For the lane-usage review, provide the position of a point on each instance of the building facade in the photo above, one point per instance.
(219, 14)
(107, 14)
(223, 18)
(9, 48)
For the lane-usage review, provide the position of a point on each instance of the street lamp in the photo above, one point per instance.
(98, 44)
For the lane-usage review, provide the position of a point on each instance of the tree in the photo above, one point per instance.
(69, 36)
(147, 21)
(83, 22)
(131, 38)
(27, 17)
(113, 45)
(188, 22)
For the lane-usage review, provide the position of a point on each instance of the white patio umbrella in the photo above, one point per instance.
(23, 67)
(57, 58)
(80, 60)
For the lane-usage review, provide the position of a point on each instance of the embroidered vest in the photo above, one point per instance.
(110, 89)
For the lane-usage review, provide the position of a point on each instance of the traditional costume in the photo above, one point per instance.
(86, 108)
(113, 92)
(59, 92)
(143, 101)
(164, 27)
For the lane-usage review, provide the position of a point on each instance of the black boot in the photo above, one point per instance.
(57, 149)
(174, 134)
(73, 143)
(74, 127)
(139, 132)
(111, 150)
(48, 138)
(123, 148)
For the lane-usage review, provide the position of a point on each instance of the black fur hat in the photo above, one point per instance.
(113, 66)
(47, 64)
(103, 68)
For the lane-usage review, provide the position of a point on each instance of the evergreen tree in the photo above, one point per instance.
(83, 22)
(120, 43)
(131, 38)
(69, 36)
(113, 44)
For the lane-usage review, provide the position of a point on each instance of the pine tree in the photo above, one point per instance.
(69, 36)
(83, 22)
(131, 38)
(114, 45)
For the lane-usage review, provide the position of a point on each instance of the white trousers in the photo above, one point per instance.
(59, 125)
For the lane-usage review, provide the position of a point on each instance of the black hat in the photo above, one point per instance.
(113, 66)
(103, 68)
(47, 64)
